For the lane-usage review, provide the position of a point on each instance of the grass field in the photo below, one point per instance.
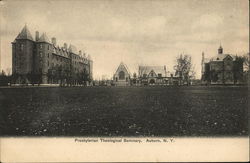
(124, 111)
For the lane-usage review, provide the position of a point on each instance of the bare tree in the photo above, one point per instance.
(246, 62)
(184, 69)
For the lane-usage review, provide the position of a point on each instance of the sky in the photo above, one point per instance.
(138, 32)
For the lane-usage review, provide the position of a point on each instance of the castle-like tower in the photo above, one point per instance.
(41, 61)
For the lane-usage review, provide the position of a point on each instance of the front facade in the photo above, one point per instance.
(222, 69)
(42, 61)
(121, 76)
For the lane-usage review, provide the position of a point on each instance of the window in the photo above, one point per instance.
(48, 55)
(48, 47)
(21, 46)
(48, 63)
(159, 75)
(121, 75)
(41, 46)
(41, 54)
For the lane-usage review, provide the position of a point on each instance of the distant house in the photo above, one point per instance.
(222, 69)
(156, 75)
(122, 76)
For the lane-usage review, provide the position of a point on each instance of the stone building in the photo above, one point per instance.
(121, 76)
(42, 61)
(222, 69)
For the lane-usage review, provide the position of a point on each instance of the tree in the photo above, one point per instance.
(246, 62)
(184, 69)
(238, 69)
(246, 65)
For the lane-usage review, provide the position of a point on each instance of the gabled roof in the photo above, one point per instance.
(43, 38)
(152, 72)
(148, 69)
(123, 67)
(25, 34)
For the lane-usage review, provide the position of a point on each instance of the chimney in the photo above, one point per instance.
(37, 35)
(65, 46)
(53, 40)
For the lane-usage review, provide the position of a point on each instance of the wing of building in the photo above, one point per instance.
(222, 69)
(156, 75)
(42, 61)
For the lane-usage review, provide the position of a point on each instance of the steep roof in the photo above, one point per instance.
(25, 34)
(148, 69)
(123, 67)
(44, 38)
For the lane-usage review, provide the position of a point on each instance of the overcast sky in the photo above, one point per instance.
(140, 32)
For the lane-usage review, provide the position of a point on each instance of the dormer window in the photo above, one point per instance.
(159, 75)
(217, 58)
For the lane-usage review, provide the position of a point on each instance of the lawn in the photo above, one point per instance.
(124, 111)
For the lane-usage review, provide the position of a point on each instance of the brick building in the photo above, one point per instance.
(42, 61)
(222, 69)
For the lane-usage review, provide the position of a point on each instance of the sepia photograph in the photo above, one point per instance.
(123, 70)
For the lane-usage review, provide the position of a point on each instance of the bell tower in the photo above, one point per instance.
(220, 50)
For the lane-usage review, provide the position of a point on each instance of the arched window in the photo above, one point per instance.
(121, 75)
(152, 81)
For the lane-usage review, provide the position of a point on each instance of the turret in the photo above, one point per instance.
(220, 50)
(22, 53)
(43, 53)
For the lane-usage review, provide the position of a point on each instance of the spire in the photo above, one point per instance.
(25, 34)
(44, 38)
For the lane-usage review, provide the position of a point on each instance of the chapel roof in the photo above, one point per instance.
(122, 66)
